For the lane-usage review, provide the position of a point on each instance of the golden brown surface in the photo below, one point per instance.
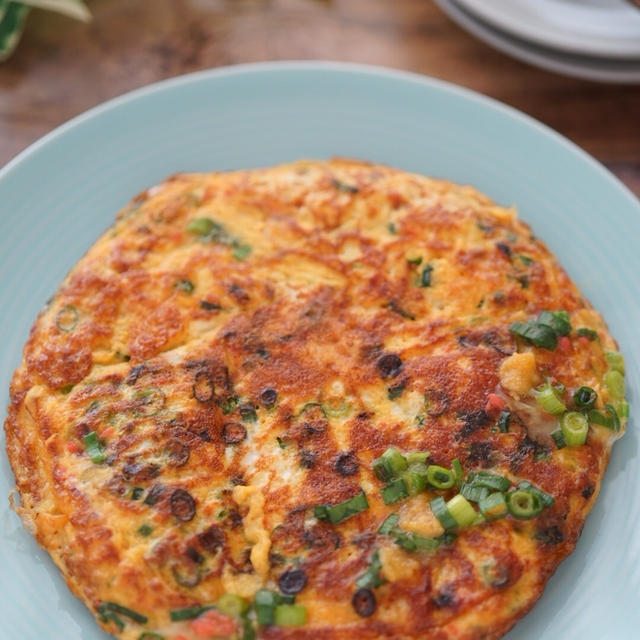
(163, 344)
(62, 67)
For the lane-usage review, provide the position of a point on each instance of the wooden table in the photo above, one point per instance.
(62, 67)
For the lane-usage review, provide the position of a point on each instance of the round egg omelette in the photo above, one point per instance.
(321, 401)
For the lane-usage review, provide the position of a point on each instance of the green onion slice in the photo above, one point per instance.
(390, 464)
(394, 491)
(558, 438)
(123, 611)
(264, 603)
(441, 511)
(615, 360)
(614, 381)
(494, 506)
(232, 605)
(415, 478)
(150, 635)
(585, 398)
(523, 504)
(343, 510)
(473, 492)
(389, 524)
(539, 335)
(439, 477)
(456, 467)
(461, 510)
(95, 448)
(504, 421)
(188, 613)
(425, 277)
(557, 320)
(371, 578)
(590, 334)
(549, 399)
(545, 499)
(290, 615)
(417, 457)
(490, 480)
(575, 428)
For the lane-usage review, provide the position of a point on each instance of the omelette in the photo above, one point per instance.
(320, 401)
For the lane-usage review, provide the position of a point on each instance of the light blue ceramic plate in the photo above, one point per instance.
(61, 193)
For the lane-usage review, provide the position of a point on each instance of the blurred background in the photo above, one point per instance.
(61, 66)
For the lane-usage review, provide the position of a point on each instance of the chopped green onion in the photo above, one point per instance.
(461, 510)
(188, 613)
(549, 400)
(232, 605)
(390, 464)
(614, 381)
(504, 421)
(123, 611)
(415, 479)
(523, 504)
(490, 480)
(201, 226)
(417, 457)
(412, 542)
(494, 506)
(456, 467)
(590, 334)
(340, 512)
(623, 410)
(441, 511)
(575, 428)
(371, 579)
(290, 615)
(615, 420)
(241, 251)
(150, 635)
(389, 524)
(585, 397)
(94, 447)
(394, 491)
(615, 360)
(184, 285)
(557, 320)
(264, 603)
(545, 499)
(474, 493)
(336, 412)
(425, 277)
(145, 529)
(558, 438)
(415, 261)
(439, 477)
(396, 390)
(539, 335)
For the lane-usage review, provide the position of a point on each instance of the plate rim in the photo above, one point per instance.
(317, 65)
(566, 64)
(574, 44)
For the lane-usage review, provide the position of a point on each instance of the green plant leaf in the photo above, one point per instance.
(72, 8)
(12, 18)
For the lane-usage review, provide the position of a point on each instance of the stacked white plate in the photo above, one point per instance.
(594, 39)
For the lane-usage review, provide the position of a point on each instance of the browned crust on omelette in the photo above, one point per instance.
(324, 293)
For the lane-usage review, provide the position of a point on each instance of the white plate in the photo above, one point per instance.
(590, 68)
(607, 28)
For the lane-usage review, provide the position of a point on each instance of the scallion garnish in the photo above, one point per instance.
(439, 477)
(548, 398)
(585, 397)
(489, 480)
(184, 285)
(441, 511)
(539, 335)
(114, 607)
(623, 410)
(425, 276)
(456, 467)
(339, 512)
(504, 421)
(232, 605)
(371, 578)
(188, 613)
(95, 448)
(557, 320)
(558, 438)
(290, 615)
(415, 479)
(389, 524)
(523, 504)
(575, 428)
(394, 491)
(461, 510)
(545, 499)
(614, 381)
(584, 332)
(390, 464)
(264, 603)
(473, 492)
(493, 506)
(615, 360)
